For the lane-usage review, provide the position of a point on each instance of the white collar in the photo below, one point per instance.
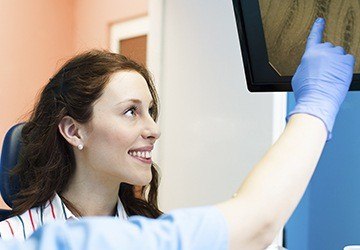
(60, 209)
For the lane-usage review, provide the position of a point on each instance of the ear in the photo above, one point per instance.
(71, 131)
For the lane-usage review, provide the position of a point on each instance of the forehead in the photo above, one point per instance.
(125, 85)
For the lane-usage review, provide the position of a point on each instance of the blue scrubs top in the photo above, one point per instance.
(191, 228)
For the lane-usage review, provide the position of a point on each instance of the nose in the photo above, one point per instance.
(151, 129)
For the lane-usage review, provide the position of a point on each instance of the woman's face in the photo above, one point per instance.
(120, 137)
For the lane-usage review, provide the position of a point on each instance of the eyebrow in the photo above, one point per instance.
(135, 101)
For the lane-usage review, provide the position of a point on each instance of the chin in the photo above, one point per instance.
(142, 181)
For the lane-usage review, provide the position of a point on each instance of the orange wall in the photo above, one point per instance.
(93, 19)
(37, 36)
(34, 36)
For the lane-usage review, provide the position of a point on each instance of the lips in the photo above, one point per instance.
(143, 160)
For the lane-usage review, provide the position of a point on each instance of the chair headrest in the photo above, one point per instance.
(9, 159)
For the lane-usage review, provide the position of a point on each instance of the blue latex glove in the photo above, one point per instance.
(322, 79)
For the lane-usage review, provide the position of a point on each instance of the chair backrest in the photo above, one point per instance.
(9, 159)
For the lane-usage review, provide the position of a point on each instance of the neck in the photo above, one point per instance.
(92, 195)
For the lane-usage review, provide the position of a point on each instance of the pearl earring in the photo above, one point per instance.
(80, 146)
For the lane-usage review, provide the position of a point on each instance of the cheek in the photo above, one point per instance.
(111, 139)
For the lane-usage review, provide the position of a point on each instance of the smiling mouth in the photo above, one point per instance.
(143, 156)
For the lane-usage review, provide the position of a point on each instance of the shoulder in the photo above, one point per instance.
(20, 226)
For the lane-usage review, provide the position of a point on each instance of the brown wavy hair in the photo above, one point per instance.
(47, 161)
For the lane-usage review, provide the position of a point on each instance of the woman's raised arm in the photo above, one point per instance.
(274, 187)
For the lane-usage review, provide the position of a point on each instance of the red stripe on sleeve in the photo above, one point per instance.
(52, 210)
(31, 219)
(12, 232)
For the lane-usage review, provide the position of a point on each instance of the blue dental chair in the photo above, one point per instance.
(9, 158)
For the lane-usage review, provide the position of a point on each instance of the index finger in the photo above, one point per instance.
(316, 33)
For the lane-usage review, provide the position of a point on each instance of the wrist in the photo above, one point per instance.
(311, 126)
(326, 114)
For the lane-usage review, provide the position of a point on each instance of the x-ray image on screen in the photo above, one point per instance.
(287, 23)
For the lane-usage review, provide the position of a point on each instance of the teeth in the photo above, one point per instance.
(143, 154)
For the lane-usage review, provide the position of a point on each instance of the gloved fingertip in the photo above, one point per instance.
(316, 32)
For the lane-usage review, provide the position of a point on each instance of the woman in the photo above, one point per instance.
(87, 144)
(266, 199)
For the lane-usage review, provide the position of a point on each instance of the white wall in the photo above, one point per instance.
(213, 129)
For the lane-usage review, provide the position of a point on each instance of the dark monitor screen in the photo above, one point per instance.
(273, 36)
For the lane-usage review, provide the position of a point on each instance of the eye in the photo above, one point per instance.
(131, 111)
(151, 110)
